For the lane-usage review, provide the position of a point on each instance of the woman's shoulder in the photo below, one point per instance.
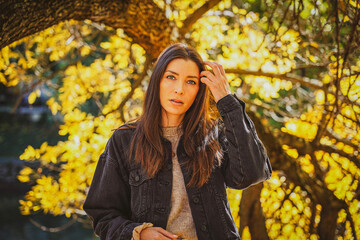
(128, 126)
(126, 130)
(121, 139)
(123, 133)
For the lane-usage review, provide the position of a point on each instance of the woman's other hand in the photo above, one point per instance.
(217, 81)
(156, 233)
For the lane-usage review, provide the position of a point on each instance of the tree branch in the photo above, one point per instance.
(346, 141)
(190, 20)
(136, 84)
(142, 20)
(312, 65)
(95, 98)
(56, 229)
(269, 108)
(304, 81)
(303, 147)
(312, 218)
(43, 80)
(331, 149)
(352, 224)
(281, 161)
(251, 213)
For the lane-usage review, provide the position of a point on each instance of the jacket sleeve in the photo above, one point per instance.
(108, 200)
(245, 161)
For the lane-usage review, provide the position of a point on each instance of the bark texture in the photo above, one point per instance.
(319, 193)
(142, 20)
(251, 213)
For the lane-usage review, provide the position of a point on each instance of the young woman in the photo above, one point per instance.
(165, 176)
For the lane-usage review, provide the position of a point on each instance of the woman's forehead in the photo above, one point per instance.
(183, 66)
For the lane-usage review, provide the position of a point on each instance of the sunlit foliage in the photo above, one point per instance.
(89, 71)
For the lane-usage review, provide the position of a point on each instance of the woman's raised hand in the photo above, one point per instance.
(156, 233)
(217, 82)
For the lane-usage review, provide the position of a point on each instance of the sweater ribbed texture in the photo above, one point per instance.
(180, 221)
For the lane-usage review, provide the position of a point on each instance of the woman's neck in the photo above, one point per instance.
(171, 120)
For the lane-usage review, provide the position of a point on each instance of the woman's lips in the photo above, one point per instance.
(176, 102)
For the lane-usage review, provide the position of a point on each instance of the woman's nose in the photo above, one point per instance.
(179, 88)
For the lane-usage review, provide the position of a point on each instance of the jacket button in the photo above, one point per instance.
(196, 200)
(162, 182)
(161, 210)
(203, 228)
(137, 178)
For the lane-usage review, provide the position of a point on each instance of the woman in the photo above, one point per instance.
(165, 176)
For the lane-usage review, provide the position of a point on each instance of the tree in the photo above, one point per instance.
(295, 63)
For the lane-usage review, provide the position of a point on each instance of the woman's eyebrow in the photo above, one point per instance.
(178, 74)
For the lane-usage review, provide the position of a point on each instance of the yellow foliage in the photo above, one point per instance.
(246, 234)
(326, 79)
(286, 209)
(30, 154)
(291, 152)
(249, 50)
(320, 97)
(32, 98)
(354, 3)
(53, 105)
(106, 80)
(234, 197)
(300, 128)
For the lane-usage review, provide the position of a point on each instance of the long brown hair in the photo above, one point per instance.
(200, 144)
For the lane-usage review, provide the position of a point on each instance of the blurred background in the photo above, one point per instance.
(71, 72)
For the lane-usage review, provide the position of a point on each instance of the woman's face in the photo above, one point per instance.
(178, 89)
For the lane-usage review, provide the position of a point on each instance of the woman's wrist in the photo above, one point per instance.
(219, 97)
(138, 229)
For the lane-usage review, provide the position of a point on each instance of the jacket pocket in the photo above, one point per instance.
(140, 193)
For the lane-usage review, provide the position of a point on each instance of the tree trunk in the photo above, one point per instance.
(328, 222)
(318, 190)
(251, 213)
(142, 20)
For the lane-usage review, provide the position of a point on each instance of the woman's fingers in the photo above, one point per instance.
(156, 233)
(214, 67)
(217, 82)
(207, 75)
(167, 234)
(222, 70)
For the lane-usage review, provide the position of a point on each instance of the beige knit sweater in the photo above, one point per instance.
(180, 220)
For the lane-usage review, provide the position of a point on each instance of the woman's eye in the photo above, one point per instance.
(192, 82)
(170, 76)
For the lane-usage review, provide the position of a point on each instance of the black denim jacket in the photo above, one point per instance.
(122, 197)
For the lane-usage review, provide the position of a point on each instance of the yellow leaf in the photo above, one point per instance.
(320, 97)
(314, 44)
(38, 92)
(23, 178)
(68, 214)
(313, 58)
(326, 78)
(2, 79)
(246, 233)
(85, 50)
(354, 3)
(105, 45)
(43, 147)
(242, 11)
(32, 98)
(22, 62)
